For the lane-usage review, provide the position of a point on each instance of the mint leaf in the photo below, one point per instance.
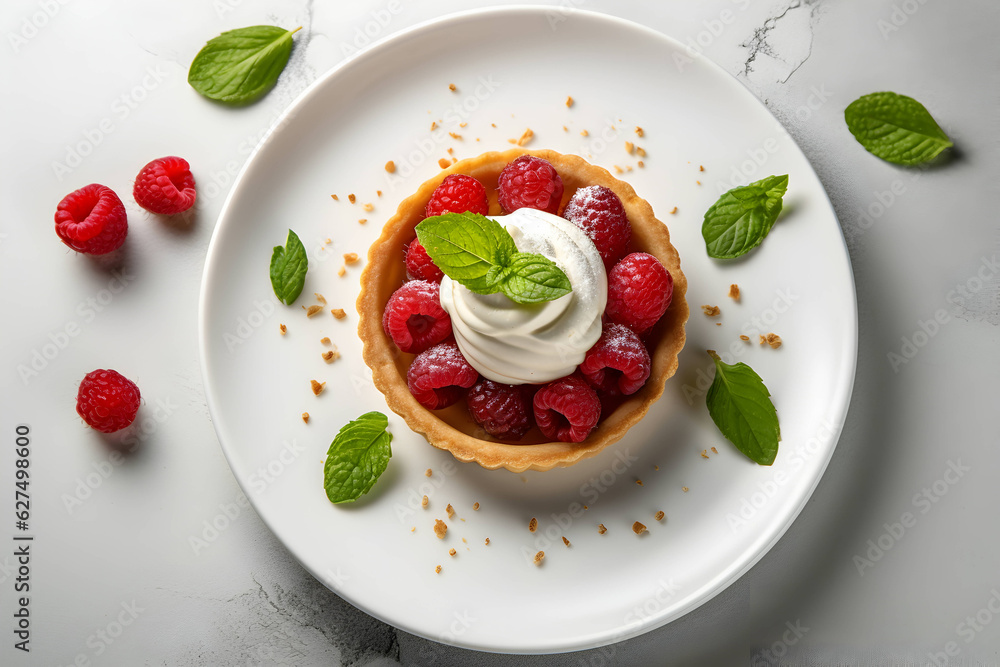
(469, 248)
(357, 456)
(740, 405)
(241, 65)
(741, 218)
(532, 278)
(896, 128)
(288, 269)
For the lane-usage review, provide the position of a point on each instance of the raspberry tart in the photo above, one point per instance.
(525, 385)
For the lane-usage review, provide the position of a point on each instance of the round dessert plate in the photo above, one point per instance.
(721, 512)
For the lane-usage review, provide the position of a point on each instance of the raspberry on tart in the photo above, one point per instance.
(439, 376)
(419, 265)
(567, 409)
(414, 318)
(618, 363)
(639, 292)
(503, 410)
(531, 182)
(458, 193)
(599, 212)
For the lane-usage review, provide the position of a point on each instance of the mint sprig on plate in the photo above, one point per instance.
(742, 217)
(896, 128)
(477, 252)
(239, 66)
(740, 405)
(288, 269)
(357, 457)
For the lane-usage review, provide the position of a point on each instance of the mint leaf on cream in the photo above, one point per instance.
(896, 128)
(357, 457)
(742, 217)
(740, 405)
(477, 252)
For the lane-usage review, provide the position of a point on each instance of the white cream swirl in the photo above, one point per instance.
(533, 343)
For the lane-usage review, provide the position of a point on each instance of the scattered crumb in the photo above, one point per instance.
(684, 489)
(493, 124)
(639, 482)
(673, 210)
(539, 557)
(714, 450)
(369, 207)
(328, 240)
(283, 329)
(342, 271)
(704, 453)
(463, 124)
(601, 529)
(744, 337)
(585, 507)
(701, 168)
(565, 541)
(320, 298)
(305, 417)
(526, 137)
(312, 310)
(641, 165)
(774, 340)
(390, 167)
(584, 133)
(451, 151)
(352, 198)
(640, 151)
(378, 193)
(434, 125)
(698, 182)
(450, 510)
(533, 525)
(425, 501)
(711, 311)
(639, 131)
(325, 340)
(317, 387)
(428, 472)
(335, 197)
(413, 530)
(452, 552)
(475, 507)
(438, 569)
(656, 467)
(452, 87)
(659, 515)
(638, 528)
(763, 340)
(569, 101)
(734, 292)
(629, 147)
(455, 135)
(440, 528)
(618, 170)
(628, 168)
(331, 356)
(565, 129)
(487, 541)
(339, 313)
(718, 324)
(362, 221)
(444, 163)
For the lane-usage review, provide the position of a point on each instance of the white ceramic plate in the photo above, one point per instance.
(722, 513)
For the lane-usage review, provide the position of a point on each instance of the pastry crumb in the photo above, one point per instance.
(539, 557)
(569, 101)
(351, 198)
(390, 167)
(697, 182)
(601, 529)
(434, 125)
(718, 324)
(452, 552)
(444, 163)
(584, 133)
(704, 453)
(305, 417)
(325, 340)
(342, 271)
(640, 151)
(656, 467)
(317, 387)
(452, 87)
(475, 507)
(711, 311)
(618, 170)
(362, 221)
(533, 525)
(684, 489)
(673, 210)
(413, 530)
(639, 482)
(425, 501)
(763, 340)
(744, 337)
(487, 541)
(526, 138)
(338, 313)
(639, 132)
(714, 450)
(369, 207)
(640, 164)
(454, 135)
(629, 147)
(774, 340)
(320, 298)
(659, 515)
(438, 569)
(312, 310)
(331, 356)
(428, 472)
(450, 510)
(463, 124)
(565, 541)
(734, 292)
(701, 167)
(440, 528)
(335, 197)
(378, 193)
(350, 257)
(638, 528)
(283, 329)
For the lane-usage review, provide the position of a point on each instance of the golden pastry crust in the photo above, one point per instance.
(453, 428)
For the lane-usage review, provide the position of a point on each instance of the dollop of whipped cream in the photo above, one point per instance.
(533, 343)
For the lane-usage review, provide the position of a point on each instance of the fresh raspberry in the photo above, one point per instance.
(639, 292)
(414, 318)
(165, 186)
(567, 409)
(419, 265)
(503, 410)
(530, 182)
(92, 220)
(618, 362)
(107, 400)
(458, 193)
(439, 376)
(599, 213)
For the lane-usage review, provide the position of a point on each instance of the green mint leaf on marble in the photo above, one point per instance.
(240, 66)
(896, 128)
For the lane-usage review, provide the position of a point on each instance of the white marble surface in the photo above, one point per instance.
(94, 88)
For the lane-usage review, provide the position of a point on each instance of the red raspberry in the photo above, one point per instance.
(92, 220)
(414, 318)
(419, 265)
(438, 377)
(165, 186)
(503, 410)
(618, 362)
(599, 213)
(639, 292)
(458, 193)
(107, 400)
(530, 182)
(567, 409)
